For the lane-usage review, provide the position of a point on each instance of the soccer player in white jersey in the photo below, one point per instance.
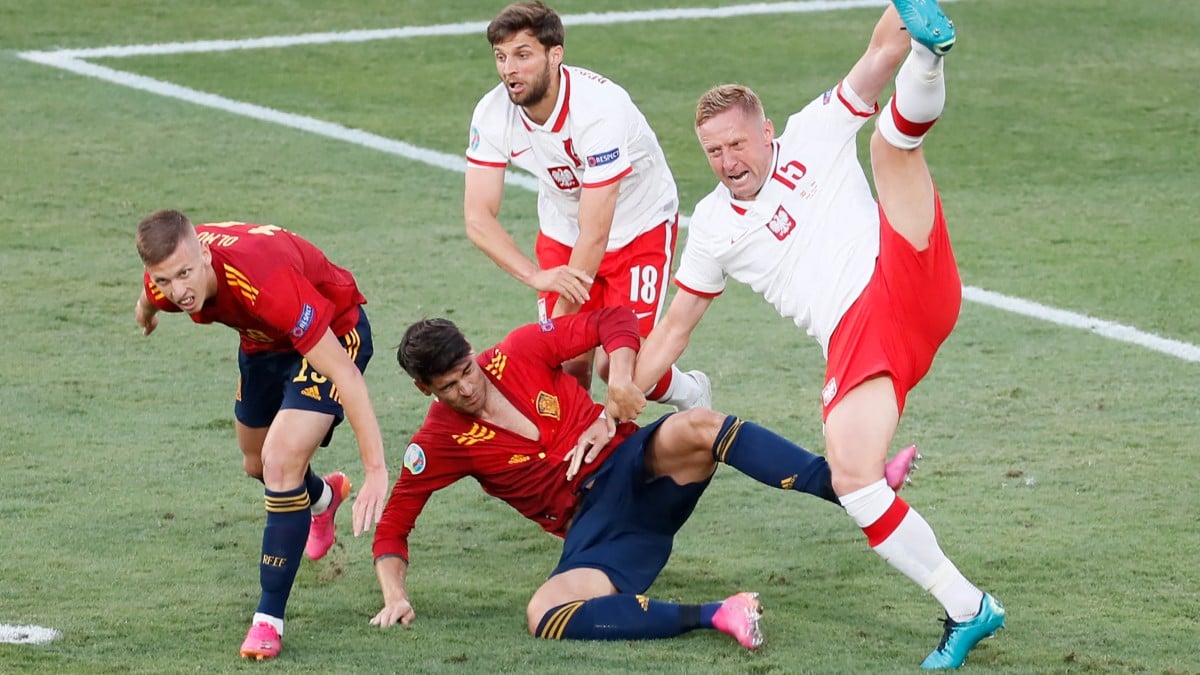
(874, 282)
(607, 204)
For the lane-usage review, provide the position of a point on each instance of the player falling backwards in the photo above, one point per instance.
(305, 341)
(512, 419)
(875, 283)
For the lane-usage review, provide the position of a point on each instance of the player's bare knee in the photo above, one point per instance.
(538, 605)
(253, 467)
(702, 426)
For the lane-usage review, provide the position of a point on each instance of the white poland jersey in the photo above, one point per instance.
(808, 242)
(594, 137)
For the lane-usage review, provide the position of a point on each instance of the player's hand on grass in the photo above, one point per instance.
(400, 611)
(591, 442)
(146, 315)
(372, 496)
(570, 283)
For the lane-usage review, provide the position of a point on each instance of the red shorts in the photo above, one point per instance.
(633, 276)
(900, 319)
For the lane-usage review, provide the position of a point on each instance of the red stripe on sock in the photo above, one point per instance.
(907, 127)
(878, 531)
(660, 389)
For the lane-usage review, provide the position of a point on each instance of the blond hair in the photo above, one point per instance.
(726, 97)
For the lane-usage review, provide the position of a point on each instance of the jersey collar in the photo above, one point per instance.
(560, 108)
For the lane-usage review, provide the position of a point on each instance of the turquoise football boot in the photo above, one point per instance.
(927, 24)
(960, 637)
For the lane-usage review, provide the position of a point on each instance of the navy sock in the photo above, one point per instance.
(284, 536)
(707, 610)
(772, 459)
(620, 617)
(314, 484)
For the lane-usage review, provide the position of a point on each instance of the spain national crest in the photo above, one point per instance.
(547, 405)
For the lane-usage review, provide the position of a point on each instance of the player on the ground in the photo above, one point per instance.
(607, 204)
(511, 418)
(875, 283)
(305, 341)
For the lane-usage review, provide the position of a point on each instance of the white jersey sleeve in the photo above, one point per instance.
(489, 140)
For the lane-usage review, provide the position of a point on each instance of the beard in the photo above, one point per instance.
(535, 90)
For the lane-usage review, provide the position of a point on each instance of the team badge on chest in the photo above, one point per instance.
(563, 177)
(781, 224)
(547, 405)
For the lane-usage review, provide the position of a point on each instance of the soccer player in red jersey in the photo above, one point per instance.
(530, 434)
(305, 341)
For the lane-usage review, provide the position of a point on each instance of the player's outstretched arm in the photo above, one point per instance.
(329, 358)
(669, 339)
(146, 314)
(392, 571)
(482, 197)
(481, 209)
(875, 68)
(597, 205)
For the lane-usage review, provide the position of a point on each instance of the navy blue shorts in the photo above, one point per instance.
(626, 524)
(274, 381)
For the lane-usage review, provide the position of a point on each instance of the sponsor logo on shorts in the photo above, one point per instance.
(414, 459)
(602, 158)
(304, 322)
(312, 392)
(544, 320)
(563, 177)
(829, 391)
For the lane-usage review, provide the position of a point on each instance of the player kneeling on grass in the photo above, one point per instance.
(510, 417)
(305, 341)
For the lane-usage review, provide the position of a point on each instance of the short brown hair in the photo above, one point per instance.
(543, 22)
(431, 348)
(726, 97)
(159, 234)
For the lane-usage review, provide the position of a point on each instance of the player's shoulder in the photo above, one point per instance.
(495, 104)
(597, 91)
(712, 207)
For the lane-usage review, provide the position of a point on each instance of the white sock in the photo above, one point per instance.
(681, 390)
(911, 547)
(919, 99)
(318, 507)
(275, 622)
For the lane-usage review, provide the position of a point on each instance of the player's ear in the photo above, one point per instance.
(769, 131)
(556, 55)
(422, 388)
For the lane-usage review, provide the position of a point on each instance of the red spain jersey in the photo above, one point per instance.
(529, 475)
(277, 290)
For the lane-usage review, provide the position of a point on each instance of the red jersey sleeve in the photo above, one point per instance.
(425, 471)
(289, 303)
(561, 339)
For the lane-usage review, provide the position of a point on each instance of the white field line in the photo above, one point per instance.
(27, 635)
(71, 60)
(470, 28)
